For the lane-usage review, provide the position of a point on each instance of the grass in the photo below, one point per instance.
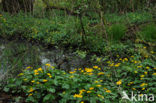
(148, 32)
(116, 32)
(131, 17)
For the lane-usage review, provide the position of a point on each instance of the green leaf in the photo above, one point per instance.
(6, 89)
(47, 97)
(52, 90)
(66, 86)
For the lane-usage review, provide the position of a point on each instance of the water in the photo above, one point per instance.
(16, 55)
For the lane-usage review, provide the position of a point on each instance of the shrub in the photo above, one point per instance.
(148, 32)
(116, 32)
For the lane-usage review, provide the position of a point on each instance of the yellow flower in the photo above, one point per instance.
(145, 73)
(119, 82)
(117, 65)
(90, 74)
(152, 52)
(143, 84)
(146, 56)
(36, 73)
(134, 88)
(88, 91)
(100, 96)
(147, 67)
(38, 82)
(20, 74)
(132, 56)
(32, 81)
(79, 68)
(28, 67)
(135, 71)
(108, 62)
(101, 80)
(25, 79)
(48, 65)
(96, 81)
(135, 62)
(99, 68)
(30, 94)
(48, 74)
(44, 80)
(98, 85)
(142, 76)
(31, 90)
(88, 70)
(101, 73)
(130, 83)
(108, 91)
(82, 101)
(145, 47)
(111, 65)
(143, 88)
(91, 88)
(82, 71)
(72, 72)
(71, 76)
(81, 91)
(105, 88)
(95, 67)
(125, 59)
(77, 96)
(98, 59)
(52, 67)
(39, 69)
(139, 66)
(154, 74)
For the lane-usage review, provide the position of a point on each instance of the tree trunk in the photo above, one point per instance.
(14, 6)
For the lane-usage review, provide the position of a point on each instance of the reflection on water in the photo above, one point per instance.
(16, 55)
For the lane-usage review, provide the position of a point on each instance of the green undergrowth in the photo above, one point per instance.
(104, 84)
(66, 31)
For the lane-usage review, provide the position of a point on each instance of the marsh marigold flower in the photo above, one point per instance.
(119, 82)
(101, 73)
(88, 70)
(95, 67)
(30, 94)
(91, 88)
(98, 85)
(88, 91)
(31, 90)
(32, 81)
(21, 74)
(77, 96)
(44, 80)
(39, 69)
(108, 91)
(142, 76)
(48, 65)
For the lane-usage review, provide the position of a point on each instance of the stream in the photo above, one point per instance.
(16, 55)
